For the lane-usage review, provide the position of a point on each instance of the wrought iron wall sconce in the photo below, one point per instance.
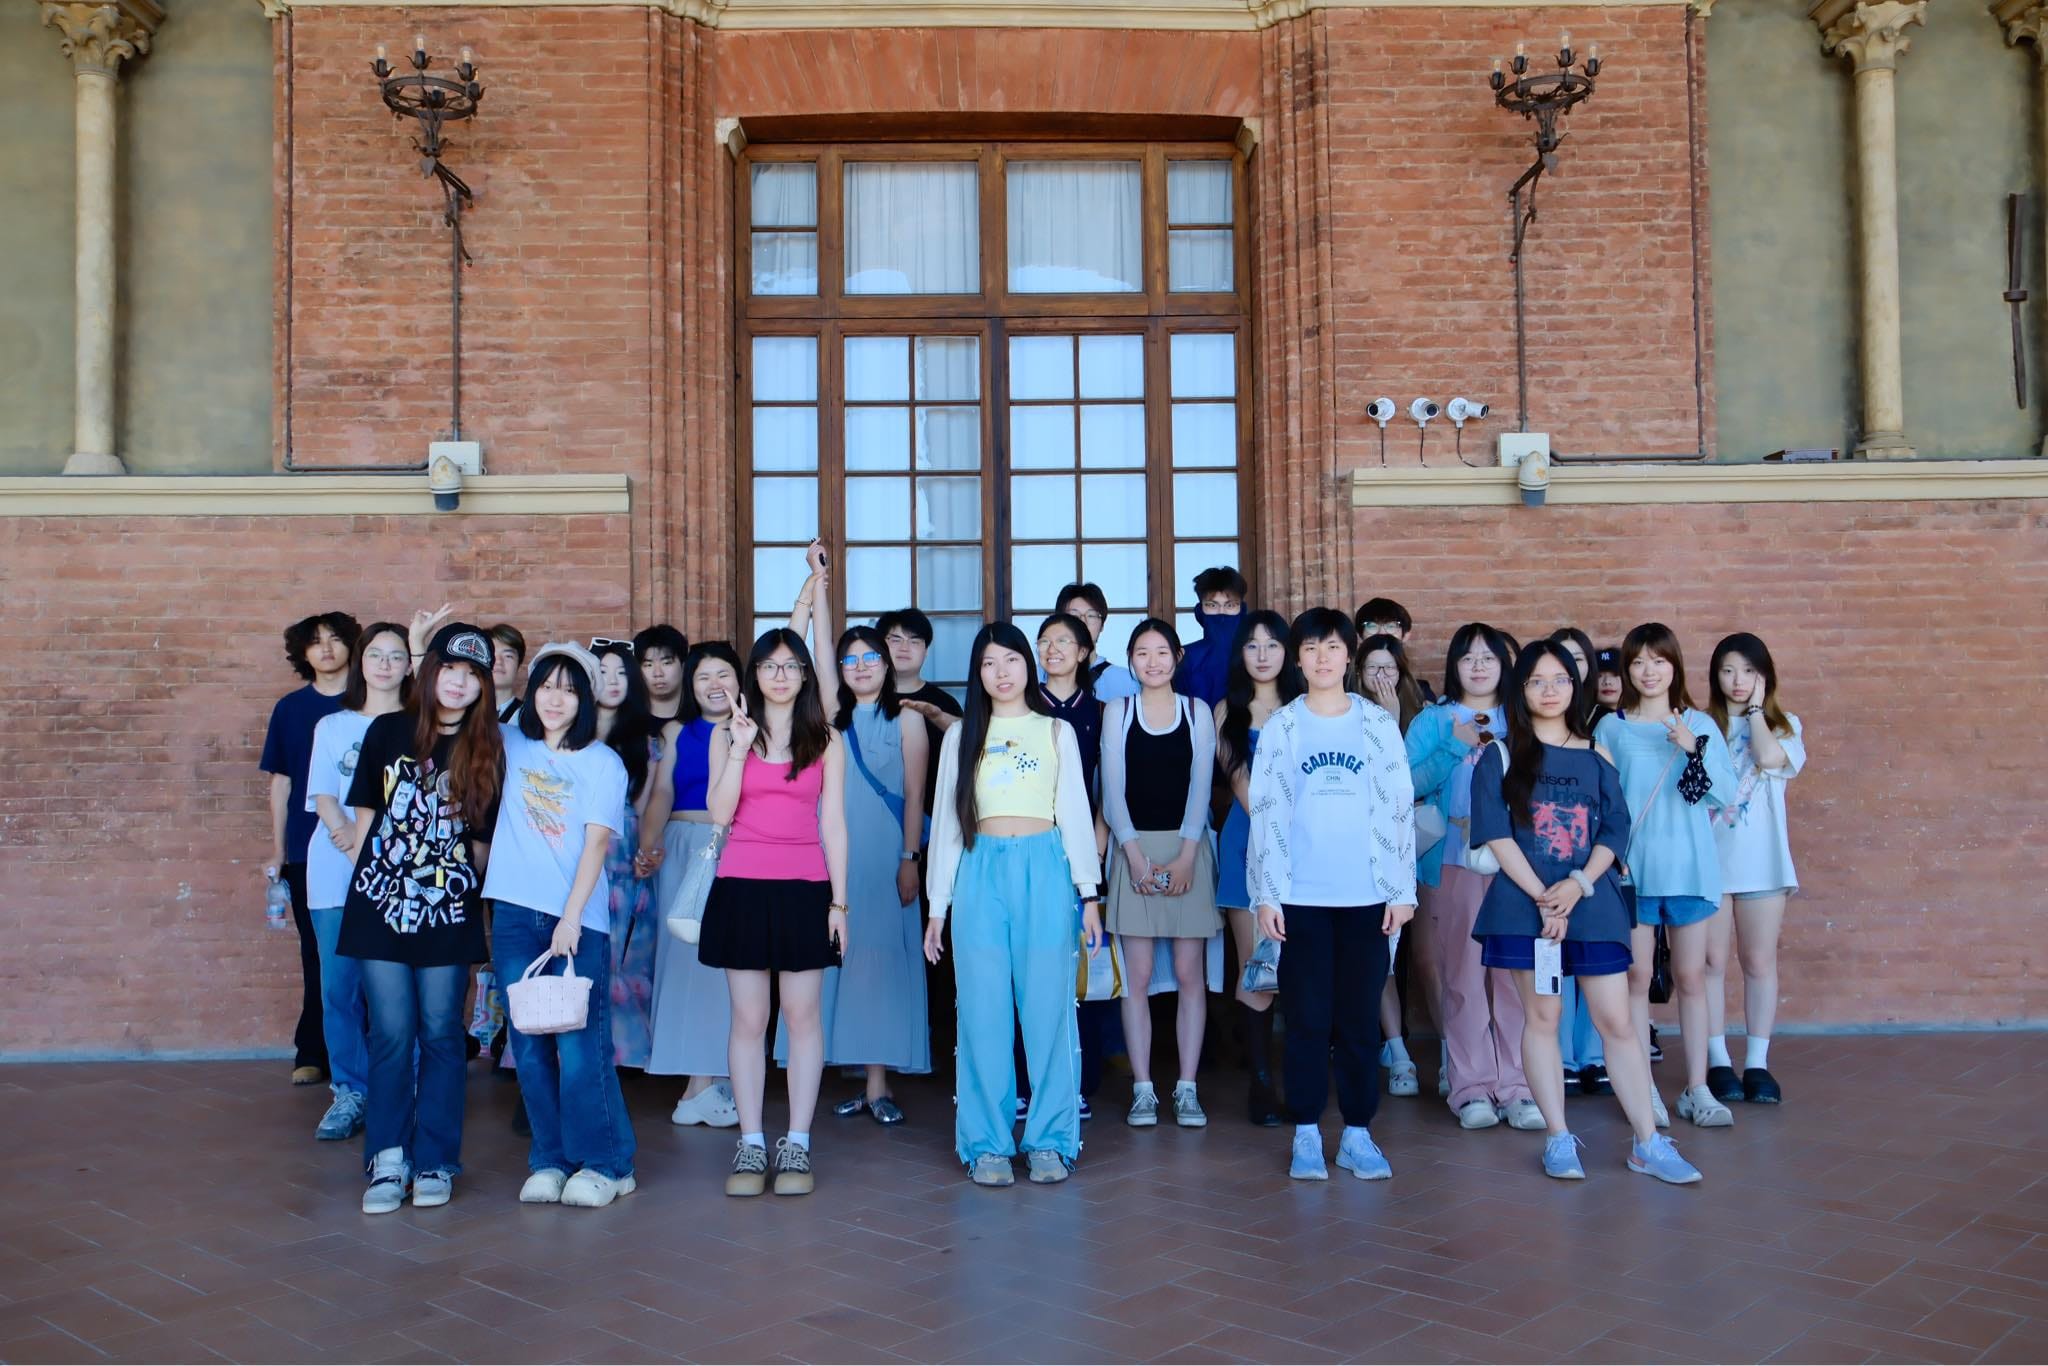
(433, 102)
(1544, 97)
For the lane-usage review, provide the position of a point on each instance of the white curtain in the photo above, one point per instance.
(785, 195)
(913, 227)
(1075, 227)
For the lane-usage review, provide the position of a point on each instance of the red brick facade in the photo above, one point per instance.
(598, 338)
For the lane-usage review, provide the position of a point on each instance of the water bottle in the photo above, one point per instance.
(277, 902)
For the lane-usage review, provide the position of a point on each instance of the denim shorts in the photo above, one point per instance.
(1582, 958)
(1673, 910)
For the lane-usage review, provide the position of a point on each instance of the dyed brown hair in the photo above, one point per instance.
(476, 764)
(1661, 641)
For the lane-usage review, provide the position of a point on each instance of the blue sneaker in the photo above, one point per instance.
(1659, 1158)
(1359, 1155)
(1307, 1162)
(1561, 1157)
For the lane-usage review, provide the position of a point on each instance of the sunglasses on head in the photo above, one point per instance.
(600, 642)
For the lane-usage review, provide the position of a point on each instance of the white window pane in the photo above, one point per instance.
(1042, 438)
(1042, 509)
(913, 227)
(1113, 436)
(1205, 505)
(785, 438)
(1075, 227)
(877, 509)
(784, 194)
(1198, 192)
(1041, 367)
(1112, 367)
(1204, 364)
(1119, 571)
(949, 509)
(949, 578)
(877, 579)
(786, 369)
(878, 439)
(1036, 573)
(1115, 645)
(763, 625)
(949, 438)
(779, 574)
(949, 367)
(1113, 505)
(876, 368)
(952, 639)
(1200, 262)
(785, 509)
(1191, 558)
(1205, 434)
(785, 263)
(1189, 626)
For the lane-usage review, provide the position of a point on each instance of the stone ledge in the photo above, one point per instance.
(1229, 15)
(1833, 482)
(307, 495)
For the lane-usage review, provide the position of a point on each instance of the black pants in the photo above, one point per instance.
(1332, 969)
(309, 1040)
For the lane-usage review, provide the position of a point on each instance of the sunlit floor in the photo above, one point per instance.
(1895, 1208)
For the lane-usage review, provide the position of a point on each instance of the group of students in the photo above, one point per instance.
(1062, 819)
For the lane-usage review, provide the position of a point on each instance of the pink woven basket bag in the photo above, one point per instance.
(543, 1004)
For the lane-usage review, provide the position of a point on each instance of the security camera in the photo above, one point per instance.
(1463, 410)
(1422, 410)
(1381, 410)
(444, 481)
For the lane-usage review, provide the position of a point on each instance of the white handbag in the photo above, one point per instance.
(1430, 827)
(542, 1004)
(1481, 859)
(685, 914)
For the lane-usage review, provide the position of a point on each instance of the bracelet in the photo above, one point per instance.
(1578, 875)
(835, 906)
(907, 856)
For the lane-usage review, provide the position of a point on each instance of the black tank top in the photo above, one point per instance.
(1156, 769)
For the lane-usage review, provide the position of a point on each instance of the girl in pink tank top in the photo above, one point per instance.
(775, 830)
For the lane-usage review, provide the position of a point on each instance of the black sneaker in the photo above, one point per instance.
(1593, 1080)
(1759, 1087)
(1656, 1049)
(1723, 1082)
(1571, 1081)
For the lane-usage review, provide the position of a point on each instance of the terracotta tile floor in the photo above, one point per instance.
(1895, 1210)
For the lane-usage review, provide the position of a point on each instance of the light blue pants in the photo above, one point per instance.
(342, 1012)
(1016, 935)
(1577, 1039)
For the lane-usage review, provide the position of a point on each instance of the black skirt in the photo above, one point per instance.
(767, 925)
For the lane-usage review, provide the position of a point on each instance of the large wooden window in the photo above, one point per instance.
(985, 370)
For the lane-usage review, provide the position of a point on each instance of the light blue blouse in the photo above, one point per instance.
(1671, 850)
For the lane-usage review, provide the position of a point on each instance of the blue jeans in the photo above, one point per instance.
(1016, 931)
(341, 1007)
(416, 1012)
(570, 1087)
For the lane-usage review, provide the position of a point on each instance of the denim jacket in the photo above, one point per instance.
(1434, 753)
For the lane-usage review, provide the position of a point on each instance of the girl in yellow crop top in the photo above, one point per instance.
(1013, 843)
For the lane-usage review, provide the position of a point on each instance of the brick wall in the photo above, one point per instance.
(1914, 826)
(144, 656)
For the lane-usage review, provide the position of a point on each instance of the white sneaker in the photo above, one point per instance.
(1657, 1110)
(544, 1187)
(1478, 1114)
(1697, 1105)
(594, 1190)
(713, 1107)
(1525, 1114)
(432, 1188)
(1443, 1083)
(1401, 1080)
(390, 1178)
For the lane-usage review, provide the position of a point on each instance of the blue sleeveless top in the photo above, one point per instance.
(693, 764)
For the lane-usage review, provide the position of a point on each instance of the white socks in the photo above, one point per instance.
(1759, 1052)
(1181, 1086)
(800, 1140)
(754, 1140)
(1396, 1051)
(1717, 1051)
(1143, 1088)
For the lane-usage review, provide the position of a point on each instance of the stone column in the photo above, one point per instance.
(2025, 19)
(97, 38)
(1871, 34)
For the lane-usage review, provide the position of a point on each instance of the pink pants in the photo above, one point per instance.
(1482, 1038)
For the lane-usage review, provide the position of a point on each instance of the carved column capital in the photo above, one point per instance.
(98, 37)
(2023, 20)
(1703, 8)
(1870, 33)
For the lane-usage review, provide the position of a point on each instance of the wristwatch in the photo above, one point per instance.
(907, 856)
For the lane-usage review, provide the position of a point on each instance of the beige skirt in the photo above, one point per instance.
(1192, 915)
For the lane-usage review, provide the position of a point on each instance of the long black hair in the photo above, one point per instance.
(701, 651)
(809, 733)
(1463, 639)
(634, 725)
(357, 695)
(1084, 640)
(891, 704)
(1589, 695)
(1525, 751)
(583, 730)
(1234, 739)
(1407, 693)
(974, 724)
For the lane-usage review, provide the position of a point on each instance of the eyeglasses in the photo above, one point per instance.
(386, 657)
(895, 638)
(789, 668)
(1382, 671)
(855, 661)
(599, 642)
(1550, 684)
(1089, 614)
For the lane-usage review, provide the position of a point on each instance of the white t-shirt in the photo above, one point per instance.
(1750, 832)
(337, 740)
(1332, 813)
(549, 797)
